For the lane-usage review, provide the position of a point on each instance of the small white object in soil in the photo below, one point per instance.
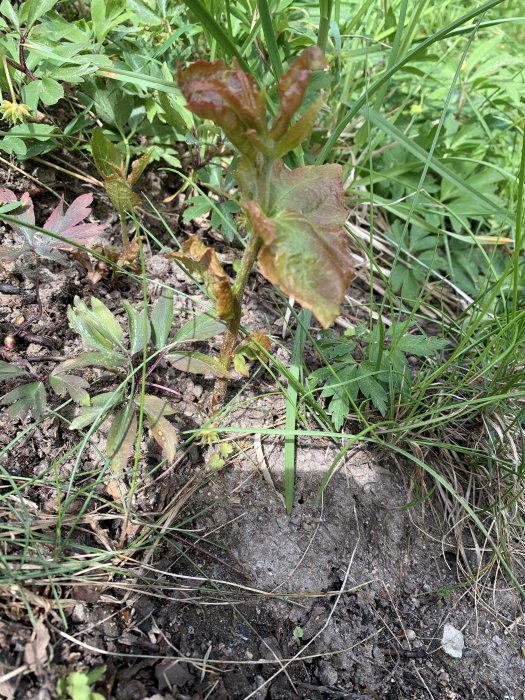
(452, 641)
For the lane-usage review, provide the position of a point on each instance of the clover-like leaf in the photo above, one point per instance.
(197, 258)
(304, 249)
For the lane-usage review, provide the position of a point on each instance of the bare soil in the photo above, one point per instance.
(345, 599)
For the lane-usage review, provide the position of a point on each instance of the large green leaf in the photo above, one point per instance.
(304, 250)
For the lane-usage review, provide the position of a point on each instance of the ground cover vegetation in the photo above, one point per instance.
(355, 168)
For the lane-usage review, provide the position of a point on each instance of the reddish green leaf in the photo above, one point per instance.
(228, 96)
(197, 258)
(305, 252)
(292, 88)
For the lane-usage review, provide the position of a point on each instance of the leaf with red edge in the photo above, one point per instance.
(304, 249)
(228, 96)
(197, 258)
(24, 214)
(292, 88)
(68, 224)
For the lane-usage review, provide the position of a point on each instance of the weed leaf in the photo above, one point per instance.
(198, 363)
(162, 318)
(24, 400)
(9, 371)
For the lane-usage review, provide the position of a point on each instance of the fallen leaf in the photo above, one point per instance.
(35, 651)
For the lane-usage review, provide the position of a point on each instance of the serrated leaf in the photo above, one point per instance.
(166, 436)
(305, 252)
(198, 363)
(197, 258)
(108, 360)
(122, 196)
(371, 388)
(136, 328)
(175, 113)
(162, 318)
(68, 223)
(200, 327)
(70, 384)
(9, 371)
(292, 89)
(421, 345)
(228, 96)
(24, 400)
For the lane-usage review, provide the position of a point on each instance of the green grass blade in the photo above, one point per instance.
(291, 408)
(269, 35)
(433, 163)
(210, 24)
(375, 86)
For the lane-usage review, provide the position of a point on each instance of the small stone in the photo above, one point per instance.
(452, 641)
(498, 641)
(410, 635)
(443, 678)
(79, 613)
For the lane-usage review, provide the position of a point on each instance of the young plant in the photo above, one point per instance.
(364, 366)
(117, 182)
(117, 398)
(68, 224)
(296, 216)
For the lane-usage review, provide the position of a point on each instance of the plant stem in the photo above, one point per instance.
(124, 231)
(233, 325)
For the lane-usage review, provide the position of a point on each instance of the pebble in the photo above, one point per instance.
(410, 635)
